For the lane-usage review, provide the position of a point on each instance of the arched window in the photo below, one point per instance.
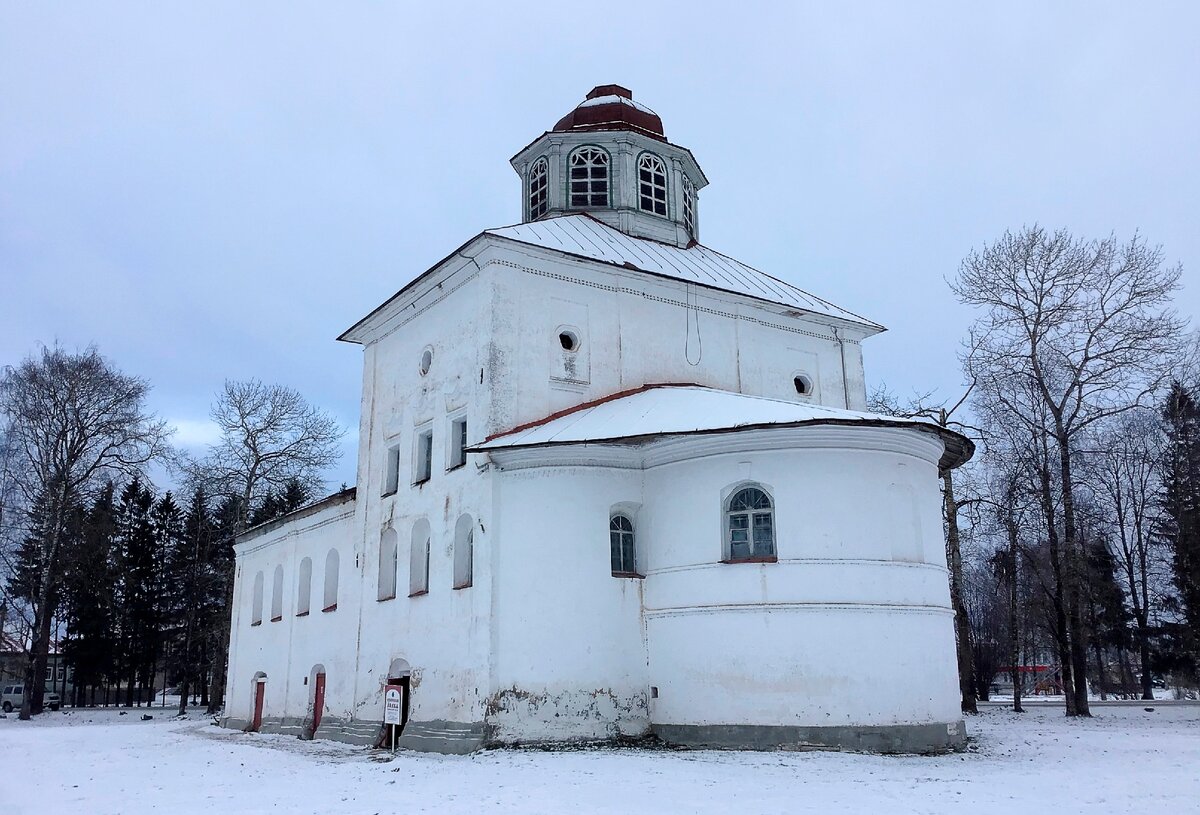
(652, 184)
(539, 184)
(622, 546)
(331, 581)
(464, 551)
(418, 559)
(304, 587)
(277, 595)
(749, 525)
(589, 177)
(689, 206)
(257, 600)
(388, 544)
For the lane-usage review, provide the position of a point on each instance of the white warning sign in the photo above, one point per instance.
(393, 704)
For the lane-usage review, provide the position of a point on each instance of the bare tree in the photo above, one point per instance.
(1087, 327)
(270, 436)
(72, 421)
(1123, 468)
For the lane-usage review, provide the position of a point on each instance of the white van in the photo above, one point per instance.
(11, 695)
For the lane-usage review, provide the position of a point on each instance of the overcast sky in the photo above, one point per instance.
(218, 190)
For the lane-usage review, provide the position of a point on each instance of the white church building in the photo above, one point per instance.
(611, 483)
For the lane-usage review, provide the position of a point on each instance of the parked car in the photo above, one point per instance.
(11, 696)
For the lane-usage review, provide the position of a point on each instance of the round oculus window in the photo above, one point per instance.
(803, 386)
(426, 361)
(568, 340)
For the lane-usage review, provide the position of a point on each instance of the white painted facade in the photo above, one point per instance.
(843, 638)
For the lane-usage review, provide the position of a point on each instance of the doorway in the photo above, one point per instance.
(318, 700)
(260, 692)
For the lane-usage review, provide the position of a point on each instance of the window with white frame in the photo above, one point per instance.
(689, 205)
(458, 442)
(589, 177)
(539, 184)
(391, 471)
(464, 552)
(749, 525)
(652, 184)
(622, 546)
(418, 559)
(277, 595)
(331, 581)
(304, 587)
(423, 469)
(388, 544)
(256, 607)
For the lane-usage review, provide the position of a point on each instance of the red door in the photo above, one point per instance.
(260, 689)
(318, 702)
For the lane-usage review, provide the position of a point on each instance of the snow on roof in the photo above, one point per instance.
(584, 236)
(665, 410)
(613, 99)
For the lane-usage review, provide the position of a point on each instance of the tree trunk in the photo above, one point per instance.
(1061, 633)
(1014, 630)
(1078, 632)
(962, 626)
(34, 692)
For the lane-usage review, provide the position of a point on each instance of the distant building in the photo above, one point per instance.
(611, 482)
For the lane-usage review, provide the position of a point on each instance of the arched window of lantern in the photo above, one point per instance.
(588, 172)
(689, 205)
(256, 607)
(418, 559)
(331, 581)
(749, 525)
(277, 595)
(464, 552)
(652, 184)
(389, 542)
(304, 587)
(622, 546)
(539, 189)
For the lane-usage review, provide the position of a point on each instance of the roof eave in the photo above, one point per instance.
(958, 448)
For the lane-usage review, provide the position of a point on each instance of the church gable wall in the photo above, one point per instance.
(422, 376)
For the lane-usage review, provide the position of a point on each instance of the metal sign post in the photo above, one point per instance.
(393, 706)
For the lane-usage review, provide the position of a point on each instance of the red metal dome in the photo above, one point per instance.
(611, 107)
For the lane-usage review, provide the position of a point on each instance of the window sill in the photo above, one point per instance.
(256, 622)
(463, 586)
(760, 559)
(425, 480)
(277, 619)
(419, 593)
(385, 599)
(329, 608)
(301, 613)
(629, 574)
(454, 467)
(388, 494)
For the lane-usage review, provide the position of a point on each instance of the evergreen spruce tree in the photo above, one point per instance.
(90, 586)
(1180, 528)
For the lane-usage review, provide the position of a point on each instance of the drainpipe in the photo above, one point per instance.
(845, 385)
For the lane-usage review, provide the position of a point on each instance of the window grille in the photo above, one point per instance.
(539, 182)
(623, 546)
(652, 184)
(750, 525)
(589, 177)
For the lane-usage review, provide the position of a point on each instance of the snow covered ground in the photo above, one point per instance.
(98, 762)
